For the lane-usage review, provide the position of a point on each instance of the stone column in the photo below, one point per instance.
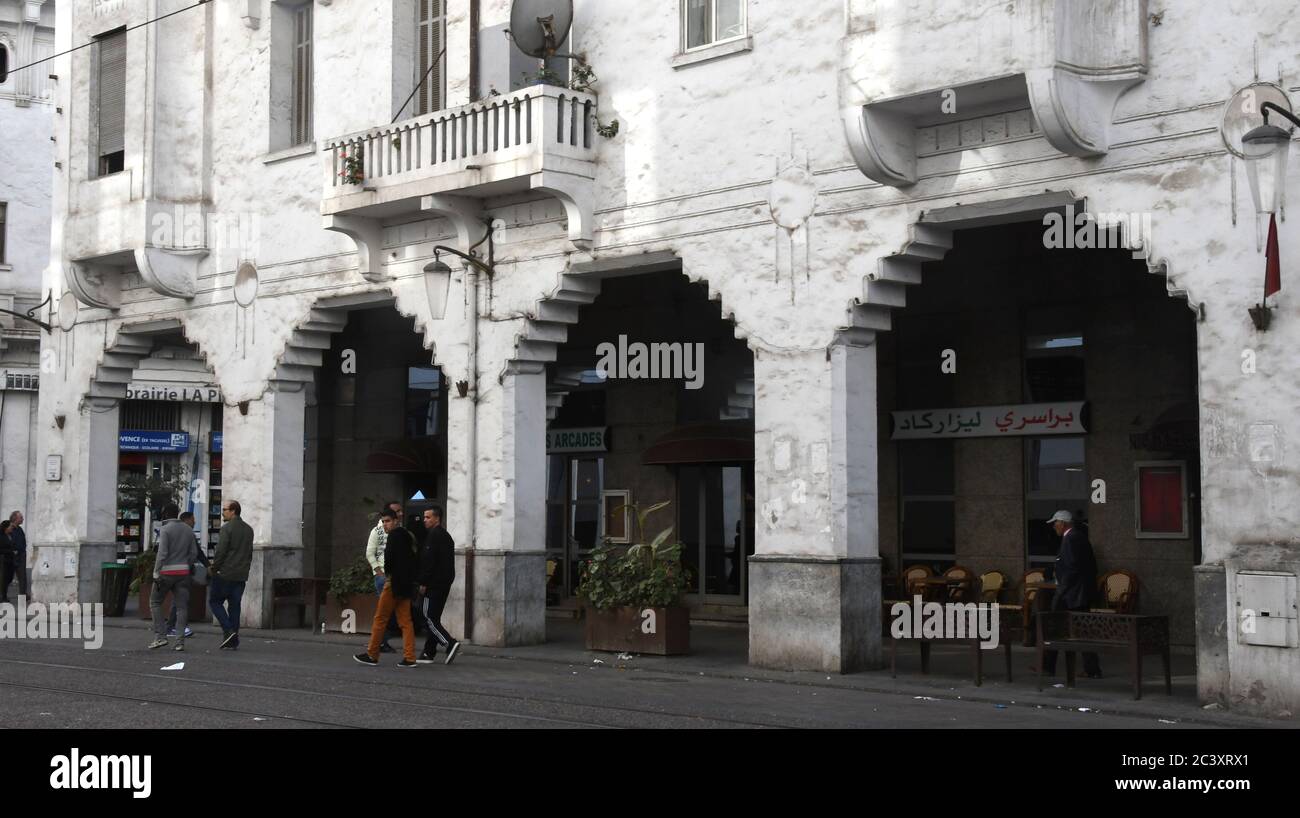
(508, 568)
(814, 579)
(262, 469)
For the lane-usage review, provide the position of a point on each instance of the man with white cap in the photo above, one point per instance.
(1076, 582)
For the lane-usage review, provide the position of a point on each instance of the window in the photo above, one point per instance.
(302, 76)
(291, 74)
(25, 382)
(423, 387)
(1161, 499)
(4, 64)
(3, 208)
(431, 32)
(110, 101)
(705, 22)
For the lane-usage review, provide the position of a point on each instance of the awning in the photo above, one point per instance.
(419, 455)
(693, 443)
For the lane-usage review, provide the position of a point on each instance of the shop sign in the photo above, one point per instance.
(1021, 420)
(133, 441)
(594, 439)
(214, 442)
(149, 390)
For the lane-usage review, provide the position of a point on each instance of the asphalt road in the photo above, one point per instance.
(302, 684)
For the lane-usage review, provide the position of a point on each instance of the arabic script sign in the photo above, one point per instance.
(990, 421)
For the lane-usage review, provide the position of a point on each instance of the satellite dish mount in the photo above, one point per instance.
(539, 27)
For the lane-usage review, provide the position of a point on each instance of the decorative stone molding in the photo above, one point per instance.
(368, 235)
(579, 199)
(464, 213)
(170, 272)
(95, 284)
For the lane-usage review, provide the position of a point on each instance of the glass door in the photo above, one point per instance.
(573, 519)
(716, 527)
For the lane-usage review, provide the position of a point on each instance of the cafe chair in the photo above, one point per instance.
(1028, 596)
(912, 577)
(992, 583)
(1118, 592)
(962, 592)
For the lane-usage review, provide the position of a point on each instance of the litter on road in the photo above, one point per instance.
(177, 666)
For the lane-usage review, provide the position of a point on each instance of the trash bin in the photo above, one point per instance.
(114, 584)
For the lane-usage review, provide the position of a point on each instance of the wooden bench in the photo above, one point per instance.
(301, 592)
(1005, 628)
(1137, 635)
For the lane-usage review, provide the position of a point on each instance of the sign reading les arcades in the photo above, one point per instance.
(593, 439)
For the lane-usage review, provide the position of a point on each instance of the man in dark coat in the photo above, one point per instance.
(1076, 582)
(437, 572)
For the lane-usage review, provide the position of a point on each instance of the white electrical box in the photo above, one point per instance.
(1266, 609)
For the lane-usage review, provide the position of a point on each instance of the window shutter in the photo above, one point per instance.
(430, 30)
(302, 74)
(112, 93)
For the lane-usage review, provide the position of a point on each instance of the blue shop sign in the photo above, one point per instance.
(135, 441)
(214, 442)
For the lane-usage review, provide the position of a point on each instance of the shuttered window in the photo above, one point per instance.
(111, 83)
(302, 76)
(431, 35)
(3, 206)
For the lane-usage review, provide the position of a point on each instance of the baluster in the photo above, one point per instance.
(559, 119)
(528, 113)
(573, 123)
(419, 145)
(586, 124)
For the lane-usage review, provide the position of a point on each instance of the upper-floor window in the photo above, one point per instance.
(110, 103)
(291, 74)
(4, 64)
(431, 38)
(706, 22)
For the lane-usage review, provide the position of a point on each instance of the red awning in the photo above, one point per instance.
(403, 456)
(721, 442)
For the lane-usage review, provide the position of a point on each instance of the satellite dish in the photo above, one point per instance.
(1242, 113)
(246, 284)
(540, 27)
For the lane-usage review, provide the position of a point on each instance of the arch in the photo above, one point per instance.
(132, 344)
(930, 239)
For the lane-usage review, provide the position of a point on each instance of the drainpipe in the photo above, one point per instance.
(472, 446)
(474, 25)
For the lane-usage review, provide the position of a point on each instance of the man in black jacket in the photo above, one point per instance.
(400, 567)
(437, 572)
(1076, 582)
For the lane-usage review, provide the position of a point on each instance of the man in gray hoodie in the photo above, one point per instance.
(172, 570)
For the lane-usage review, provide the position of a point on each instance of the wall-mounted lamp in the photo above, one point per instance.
(243, 407)
(1266, 149)
(462, 388)
(59, 420)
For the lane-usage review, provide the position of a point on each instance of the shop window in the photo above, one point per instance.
(110, 102)
(423, 388)
(150, 416)
(706, 22)
(1054, 367)
(927, 500)
(1161, 500)
(1056, 478)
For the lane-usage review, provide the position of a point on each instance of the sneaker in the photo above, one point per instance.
(172, 632)
(386, 648)
(188, 632)
(160, 642)
(451, 652)
(405, 663)
(364, 658)
(231, 639)
(426, 659)
(180, 645)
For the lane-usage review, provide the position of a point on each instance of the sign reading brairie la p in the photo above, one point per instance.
(594, 439)
(143, 390)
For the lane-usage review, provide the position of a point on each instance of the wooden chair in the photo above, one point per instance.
(992, 584)
(1028, 596)
(912, 575)
(1118, 591)
(963, 592)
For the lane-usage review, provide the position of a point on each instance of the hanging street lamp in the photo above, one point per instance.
(1266, 149)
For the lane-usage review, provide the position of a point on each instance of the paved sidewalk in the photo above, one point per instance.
(721, 653)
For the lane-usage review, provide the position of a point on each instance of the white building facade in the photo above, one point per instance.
(246, 186)
(26, 186)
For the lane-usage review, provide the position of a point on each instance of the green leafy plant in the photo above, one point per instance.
(356, 578)
(138, 489)
(641, 575)
(354, 166)
(583, 76)
(143, 570)
(608, 131)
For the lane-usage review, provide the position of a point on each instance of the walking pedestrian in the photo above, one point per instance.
(401, 566)
(173, 566)
(375, 556)
(437, 572)
(230, 572)
(6, 560)
(1076, 582)
(19, 539)
(186, 517)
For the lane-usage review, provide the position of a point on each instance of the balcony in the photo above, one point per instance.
(539, 139)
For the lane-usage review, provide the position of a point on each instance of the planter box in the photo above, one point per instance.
(623, 630)
(363, 605)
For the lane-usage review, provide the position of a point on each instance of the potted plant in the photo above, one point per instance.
(632, 595)
(352, 588)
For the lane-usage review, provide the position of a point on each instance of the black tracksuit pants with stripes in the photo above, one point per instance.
(431, 609)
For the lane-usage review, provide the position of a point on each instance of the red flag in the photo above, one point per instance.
(1273, 268)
